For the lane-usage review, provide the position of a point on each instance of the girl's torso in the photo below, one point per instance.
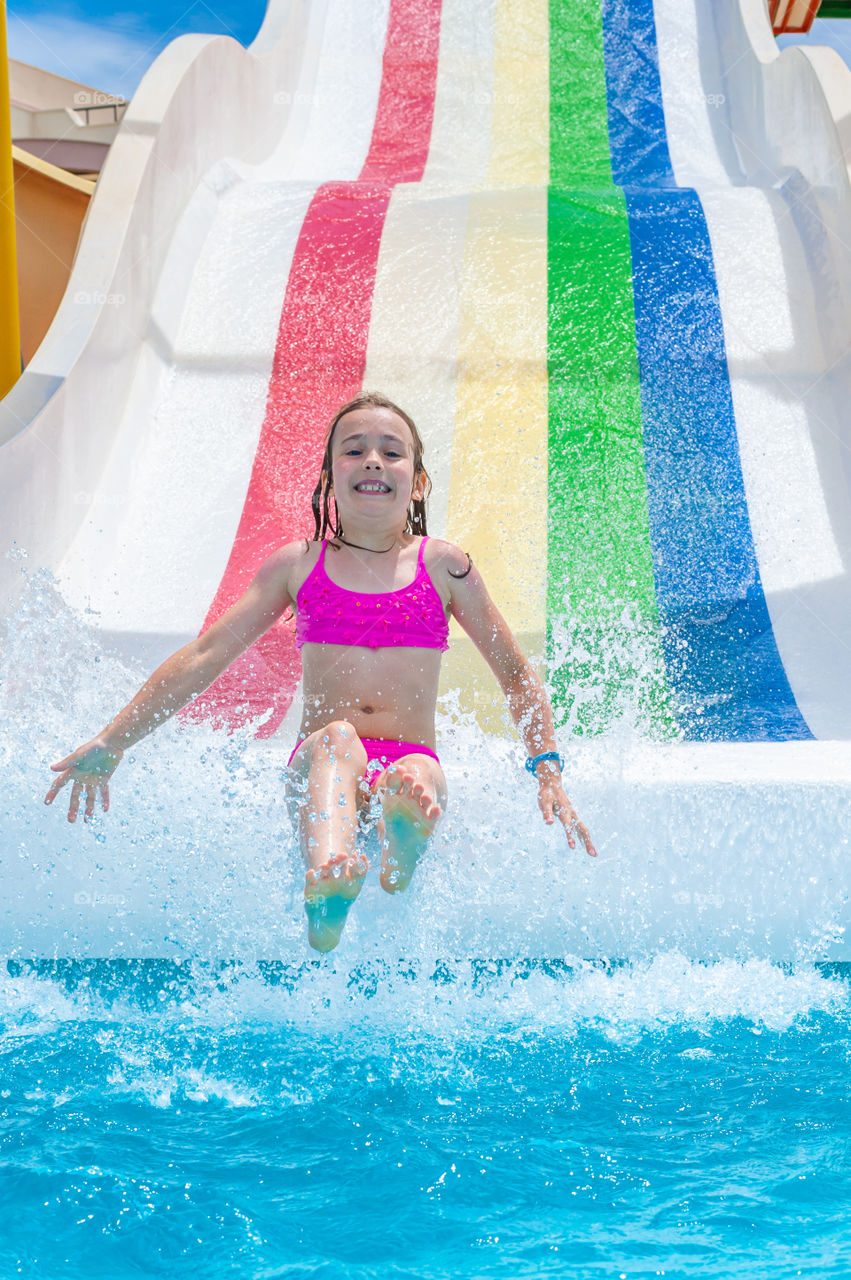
(371, 650)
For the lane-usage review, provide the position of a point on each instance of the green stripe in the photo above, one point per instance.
(605, 657)
(579, 129)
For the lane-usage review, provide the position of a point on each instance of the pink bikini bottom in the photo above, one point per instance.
(380, 752)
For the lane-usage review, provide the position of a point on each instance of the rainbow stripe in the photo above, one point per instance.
(517, 266)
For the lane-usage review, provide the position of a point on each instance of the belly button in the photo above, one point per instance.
(367, 711)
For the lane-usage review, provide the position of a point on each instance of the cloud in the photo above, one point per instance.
(111, 50)
(111, 60)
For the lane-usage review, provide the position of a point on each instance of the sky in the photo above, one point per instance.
(110, 49)
(835, 32)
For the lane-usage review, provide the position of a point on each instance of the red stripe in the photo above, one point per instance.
(399, 147)
(320, 356)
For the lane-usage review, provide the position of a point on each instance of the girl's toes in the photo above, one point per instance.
(358, 867)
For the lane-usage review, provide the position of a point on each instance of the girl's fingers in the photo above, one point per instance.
(567, 817)
(58, 784)
(74, 806)
(586, 840)
(55, 788)
(547, 809)
(568, 821)
(573, 824)
(88, 769)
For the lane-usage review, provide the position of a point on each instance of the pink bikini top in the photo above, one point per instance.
(328, 614)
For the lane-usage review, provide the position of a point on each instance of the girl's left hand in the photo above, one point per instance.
(554, 804)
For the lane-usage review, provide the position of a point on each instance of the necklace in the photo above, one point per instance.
(382, 551)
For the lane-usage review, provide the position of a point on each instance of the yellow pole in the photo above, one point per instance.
(10, 329)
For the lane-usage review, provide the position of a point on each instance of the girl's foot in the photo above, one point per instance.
(329, 892)
(411, 813)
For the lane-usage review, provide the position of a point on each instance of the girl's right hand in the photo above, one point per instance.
(90, 767)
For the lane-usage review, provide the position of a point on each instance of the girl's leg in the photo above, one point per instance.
(323, 795)
(413, 797)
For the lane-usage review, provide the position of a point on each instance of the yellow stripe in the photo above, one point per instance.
(498, 487)
(521, 102)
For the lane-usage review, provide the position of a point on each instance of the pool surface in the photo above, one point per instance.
(421, 1120)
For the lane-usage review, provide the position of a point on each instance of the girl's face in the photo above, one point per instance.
(372, 465)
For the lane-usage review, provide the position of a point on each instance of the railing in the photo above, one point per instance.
(797, 16)
(118, 105)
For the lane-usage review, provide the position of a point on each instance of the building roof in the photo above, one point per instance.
(38, 90)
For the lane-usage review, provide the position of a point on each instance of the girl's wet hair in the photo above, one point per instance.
(323, 499)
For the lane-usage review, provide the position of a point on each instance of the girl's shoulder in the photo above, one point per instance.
(293, 561)
(292, 554)
(444, 558)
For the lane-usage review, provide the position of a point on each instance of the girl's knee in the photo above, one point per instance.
(340, 739)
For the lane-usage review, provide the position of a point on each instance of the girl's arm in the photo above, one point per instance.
(181, 677)
(527, 699)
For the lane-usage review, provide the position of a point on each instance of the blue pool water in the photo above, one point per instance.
(668, 1119)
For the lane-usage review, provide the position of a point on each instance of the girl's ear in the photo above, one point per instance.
(418, 491)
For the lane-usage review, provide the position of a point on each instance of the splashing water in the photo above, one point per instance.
(197, 856)
(455, 1091)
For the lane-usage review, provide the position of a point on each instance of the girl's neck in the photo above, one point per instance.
(372, 539)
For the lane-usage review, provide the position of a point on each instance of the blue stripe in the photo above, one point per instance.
(638, 139)
(723, 664)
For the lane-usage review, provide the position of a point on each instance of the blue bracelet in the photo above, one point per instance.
(532, 761)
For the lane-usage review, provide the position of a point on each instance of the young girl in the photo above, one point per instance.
(372, 602)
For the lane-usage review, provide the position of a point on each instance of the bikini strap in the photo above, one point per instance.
(316, 572)
(420, 559)
(319, 568)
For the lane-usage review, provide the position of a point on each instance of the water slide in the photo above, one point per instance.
(600, 253)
